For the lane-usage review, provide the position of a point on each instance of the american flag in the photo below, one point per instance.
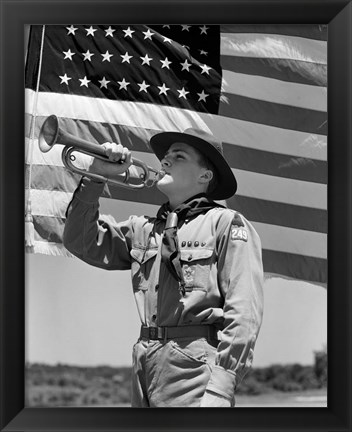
(261, 89)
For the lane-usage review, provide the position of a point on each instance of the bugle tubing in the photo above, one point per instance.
(52, 133)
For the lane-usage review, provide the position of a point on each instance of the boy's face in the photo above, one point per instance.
(183, 173)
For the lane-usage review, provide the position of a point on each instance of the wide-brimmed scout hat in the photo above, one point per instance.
(210, 147)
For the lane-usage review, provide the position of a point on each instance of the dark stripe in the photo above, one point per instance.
(256, 210)
(314, 31)
(273, 114)
(295, 71)
(238, 157)
(274, 213)
(275, 164)
(50, 229)
(295, 266)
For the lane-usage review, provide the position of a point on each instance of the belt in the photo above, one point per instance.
(167, 333)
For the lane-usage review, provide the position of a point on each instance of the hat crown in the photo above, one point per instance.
(205, 136)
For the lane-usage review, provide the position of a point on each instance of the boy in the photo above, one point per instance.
(196, 272)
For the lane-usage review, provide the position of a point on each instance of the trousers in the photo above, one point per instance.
(172, 373)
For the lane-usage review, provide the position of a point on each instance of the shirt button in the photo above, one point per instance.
(190, 257)
(183, 244)
(196, 244)
(154, 317)
(189, 243)
(203, 243)
(156, 287)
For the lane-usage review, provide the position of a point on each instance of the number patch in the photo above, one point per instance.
(239, 234)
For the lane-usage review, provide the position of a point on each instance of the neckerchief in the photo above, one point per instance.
(170, 251)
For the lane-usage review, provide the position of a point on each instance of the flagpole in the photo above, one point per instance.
(29, 227)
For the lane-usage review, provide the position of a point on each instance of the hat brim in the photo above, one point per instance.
(226, 180)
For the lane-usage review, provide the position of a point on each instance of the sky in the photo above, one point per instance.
(80, 315)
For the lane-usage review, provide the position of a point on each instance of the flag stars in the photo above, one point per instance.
(106, 56)
(163, 89)
(202, 96)
(126, 58)
(205, 69)
(146, 60)
(64, 79)
(123, 84)
(185, 27)
(203, 29)
(183, 93)
(202, 52)
(87, 55)
(84, 81)
(109, 32)
(148, 34)
(167, 40)
(104, 83)
(90, 31)
(71, 30)
(186, 65)
(143, 86)
(68, 54)
(128, 32)
(165, 63)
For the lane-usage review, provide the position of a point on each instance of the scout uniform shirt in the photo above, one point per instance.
(222, 266)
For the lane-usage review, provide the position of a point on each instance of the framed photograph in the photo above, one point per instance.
(330, 22)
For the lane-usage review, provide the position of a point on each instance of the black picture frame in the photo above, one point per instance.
(337, 14)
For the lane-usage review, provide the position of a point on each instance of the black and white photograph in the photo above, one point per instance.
(176, 204)
(175, 215)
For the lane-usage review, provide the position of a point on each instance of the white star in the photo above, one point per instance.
(186, 65)
(126, 58)
(203, 29)
(87, 55)
(84, 81)
(165, 63)
(90, 31)
(205, 68)
(64, 79)
(71, 30)
(202, 96)
(167, 40)
(166, 26)
(128, 32)
(146, 59)
(109, 32)
(163, 89)
(202, 52)
(68, 54)
(123, 84)
(106, 56)
(148, 34)
(183, 93)
(143, 86)
(185, 27)
(104, 83)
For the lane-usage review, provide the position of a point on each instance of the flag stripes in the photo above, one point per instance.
(273, 122)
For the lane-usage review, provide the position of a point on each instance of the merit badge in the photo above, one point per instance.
(239, 234)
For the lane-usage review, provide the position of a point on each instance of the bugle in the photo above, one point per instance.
(52, 133)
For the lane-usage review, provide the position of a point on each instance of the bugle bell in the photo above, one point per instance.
(51, 133)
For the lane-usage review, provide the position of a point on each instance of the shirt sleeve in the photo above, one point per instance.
(97, 242)
(240, 280)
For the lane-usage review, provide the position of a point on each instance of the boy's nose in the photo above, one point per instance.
(165, 162)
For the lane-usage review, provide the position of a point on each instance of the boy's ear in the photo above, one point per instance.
(206, 176)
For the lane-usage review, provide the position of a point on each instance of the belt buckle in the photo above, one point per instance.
(153, 333)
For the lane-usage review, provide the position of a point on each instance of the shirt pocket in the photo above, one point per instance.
(196, 265)
(141, 266)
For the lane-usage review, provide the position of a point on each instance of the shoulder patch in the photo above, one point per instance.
(237, 220)
(239, 234)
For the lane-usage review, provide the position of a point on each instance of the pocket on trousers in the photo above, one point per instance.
(190, 350)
